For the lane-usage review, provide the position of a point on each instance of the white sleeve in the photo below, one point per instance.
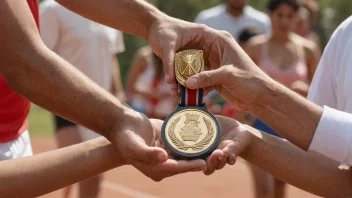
(322, 88)
(118, 43)
(49, 24)
(333, 136)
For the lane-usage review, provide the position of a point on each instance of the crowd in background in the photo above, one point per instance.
(282, 42)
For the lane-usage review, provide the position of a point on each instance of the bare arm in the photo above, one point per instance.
(299, 125)
(46, 172)
(291, 115)
(29, 66)
(137, 15)
(308, 171)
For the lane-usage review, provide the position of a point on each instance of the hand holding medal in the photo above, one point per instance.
(190, 132)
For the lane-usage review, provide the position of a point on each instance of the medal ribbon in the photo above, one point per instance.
(191, 97)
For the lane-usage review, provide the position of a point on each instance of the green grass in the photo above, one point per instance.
(40, 122)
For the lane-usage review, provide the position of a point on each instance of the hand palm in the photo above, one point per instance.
(141, 146)
(234, 140)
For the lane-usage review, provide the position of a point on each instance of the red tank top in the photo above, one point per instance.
(14, 109)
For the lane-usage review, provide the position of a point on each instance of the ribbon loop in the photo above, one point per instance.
(191, 97)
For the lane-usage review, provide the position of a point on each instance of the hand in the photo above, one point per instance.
(139, 143)
(237, 83)
(243, 85)
(168, 35)
(235, 139)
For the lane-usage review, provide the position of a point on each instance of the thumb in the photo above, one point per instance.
(152, 155)
(207, 79)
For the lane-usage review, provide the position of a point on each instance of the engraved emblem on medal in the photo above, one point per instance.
(190, 132)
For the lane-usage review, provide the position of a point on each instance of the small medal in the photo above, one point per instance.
(190, 132)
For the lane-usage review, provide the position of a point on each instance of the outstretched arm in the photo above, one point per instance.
(40, 75)
(308, 171)
(37, 73)
(43, 173)
(135, 17)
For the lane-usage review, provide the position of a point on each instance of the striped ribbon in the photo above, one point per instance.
(191, 97)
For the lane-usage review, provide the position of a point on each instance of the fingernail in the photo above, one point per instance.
(220, 158)
(232, 162)
(192, 82)
(161, 156)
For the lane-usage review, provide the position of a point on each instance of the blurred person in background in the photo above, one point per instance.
(289, 59)
(234, 16)
(304, 26)
(147, 89)
(92, 48)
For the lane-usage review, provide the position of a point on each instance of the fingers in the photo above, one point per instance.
(231, 153)
(174, 89)
(168, 63)
(169, 168)
(152, 155)
(230, 149)
(213, 161)
(183, 166)
(208, 78)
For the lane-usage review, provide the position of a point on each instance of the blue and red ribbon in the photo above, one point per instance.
(191, 97)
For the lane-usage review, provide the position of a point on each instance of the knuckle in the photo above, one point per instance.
(203, 27)
(207, 78)
(226, 34)
(227, 69)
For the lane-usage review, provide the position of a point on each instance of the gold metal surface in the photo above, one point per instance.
(191, 131)
(188, 63)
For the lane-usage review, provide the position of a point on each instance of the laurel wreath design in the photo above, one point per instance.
(196, 147)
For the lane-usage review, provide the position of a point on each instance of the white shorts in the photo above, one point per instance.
(21, 147)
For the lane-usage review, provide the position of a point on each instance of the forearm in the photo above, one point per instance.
(134, 17)
(52, 83)
(308, 171)
(289, 114)
(43, 173)
(38, 74)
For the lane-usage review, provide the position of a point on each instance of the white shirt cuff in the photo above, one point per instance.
(333, 136)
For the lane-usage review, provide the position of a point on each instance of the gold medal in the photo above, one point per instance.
(188, 63)
(190, 132)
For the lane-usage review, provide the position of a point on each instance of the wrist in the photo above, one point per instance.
(125, 116)
(266, 94)
(153, 19)
(100, 149)
(252, 134)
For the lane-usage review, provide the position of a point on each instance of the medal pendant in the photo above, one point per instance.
(190, 132)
